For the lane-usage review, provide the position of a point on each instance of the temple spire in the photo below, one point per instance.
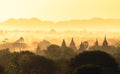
(63, 44)
(105, 43)
(72, 44)
(96, 43)
(81, 46)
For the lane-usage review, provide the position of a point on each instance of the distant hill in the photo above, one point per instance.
(36, 24)
(22, 23)
(94, 23)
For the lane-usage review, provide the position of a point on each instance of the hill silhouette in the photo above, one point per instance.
(37, 24)
(23, 23)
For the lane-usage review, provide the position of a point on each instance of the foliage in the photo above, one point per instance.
(27, 63)
(53, 52)
(94, 58)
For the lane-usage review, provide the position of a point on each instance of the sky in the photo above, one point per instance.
(59, 10)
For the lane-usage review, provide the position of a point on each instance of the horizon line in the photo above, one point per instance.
(5, 19)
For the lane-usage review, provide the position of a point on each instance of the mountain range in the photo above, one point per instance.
(94, 24)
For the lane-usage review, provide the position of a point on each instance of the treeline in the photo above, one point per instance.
(57, 61)
(25, 62)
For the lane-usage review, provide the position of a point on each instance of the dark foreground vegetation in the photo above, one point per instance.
(87, 62)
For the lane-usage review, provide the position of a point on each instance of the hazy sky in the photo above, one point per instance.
(57, 10)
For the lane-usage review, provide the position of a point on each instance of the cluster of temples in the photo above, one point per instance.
(85, 45)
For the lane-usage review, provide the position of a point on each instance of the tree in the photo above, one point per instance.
(67, 53)
(53, 52)
(37, 65)
(44, 44)
(97, 60)
(19, 46)
(2, 70)
(26, 62)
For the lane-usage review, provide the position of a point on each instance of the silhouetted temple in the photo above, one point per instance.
(84, 45)
(38, 49)
(72, 44)
(81, 46)
(105, 43)
(63, 45)
(96, 43)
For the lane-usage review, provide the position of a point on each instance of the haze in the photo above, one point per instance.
(55, 20)
(94, 24)
(59, 10)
